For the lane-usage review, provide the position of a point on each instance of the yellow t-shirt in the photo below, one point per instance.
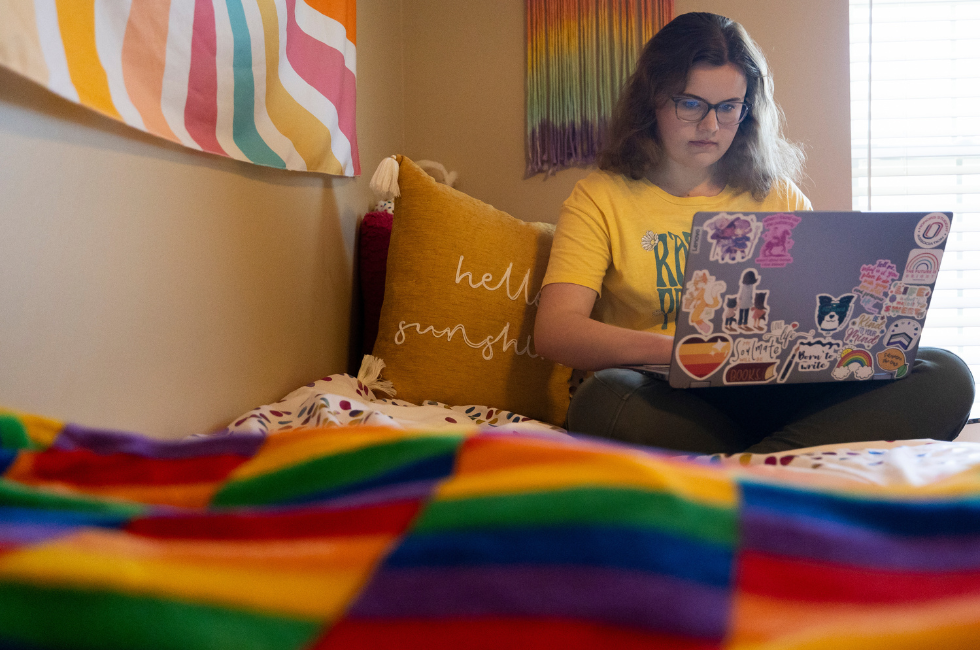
(628, 240)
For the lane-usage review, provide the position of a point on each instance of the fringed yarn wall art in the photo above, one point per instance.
(579, 54)
(271, 82)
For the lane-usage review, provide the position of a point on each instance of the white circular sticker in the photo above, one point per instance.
(932, 230)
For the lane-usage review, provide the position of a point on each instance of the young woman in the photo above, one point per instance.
(696, 129)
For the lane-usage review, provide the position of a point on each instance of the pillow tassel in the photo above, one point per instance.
(384, 183)
(370, 375)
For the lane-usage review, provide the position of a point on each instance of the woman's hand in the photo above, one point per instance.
(565, 332)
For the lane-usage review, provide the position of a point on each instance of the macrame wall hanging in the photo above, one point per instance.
(270, 82)
(579, 54)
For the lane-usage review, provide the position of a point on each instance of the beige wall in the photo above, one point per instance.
(464, 94)
(464, 102)
(148, 287)
(806, 44)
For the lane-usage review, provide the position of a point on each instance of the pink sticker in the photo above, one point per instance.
(778, 240)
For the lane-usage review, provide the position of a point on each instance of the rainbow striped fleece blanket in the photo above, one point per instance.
(369, 537)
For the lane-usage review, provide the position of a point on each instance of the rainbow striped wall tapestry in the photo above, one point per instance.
(270, 82)
(579, 54)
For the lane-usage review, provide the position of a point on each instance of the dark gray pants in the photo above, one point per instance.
(932, 401)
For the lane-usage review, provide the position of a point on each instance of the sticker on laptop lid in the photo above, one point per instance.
(922, 266)
(785, 332)
(702, 297)
(903, 334)
(748, 310)
(874, 282)
(811, 355)
(907, 300)
(733, 237)
(750, 372)
(759, 312)
(754, 361)
(833, 313)
(891, 359)
(700, 357)
(778, 240)
(865, 330)
(854, 361)
(932, 230)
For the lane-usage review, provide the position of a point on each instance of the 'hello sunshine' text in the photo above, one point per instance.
(485, 345)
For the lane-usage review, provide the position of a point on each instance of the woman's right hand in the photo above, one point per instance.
(565, 332)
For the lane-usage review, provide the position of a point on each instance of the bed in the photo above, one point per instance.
(369, 536)
(434, 501)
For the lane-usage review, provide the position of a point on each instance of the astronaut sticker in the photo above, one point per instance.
(733, 237)
(903, 334)
(833, 313)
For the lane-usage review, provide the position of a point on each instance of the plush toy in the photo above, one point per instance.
(438, 172)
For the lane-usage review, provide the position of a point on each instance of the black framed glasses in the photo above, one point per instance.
(695, 109)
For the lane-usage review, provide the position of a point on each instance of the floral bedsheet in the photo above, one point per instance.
(341, 400)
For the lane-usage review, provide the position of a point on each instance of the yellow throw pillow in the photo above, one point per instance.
(461, 291)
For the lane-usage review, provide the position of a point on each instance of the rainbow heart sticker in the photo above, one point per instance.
(700, 357)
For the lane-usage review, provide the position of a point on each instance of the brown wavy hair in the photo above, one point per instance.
(758, 156)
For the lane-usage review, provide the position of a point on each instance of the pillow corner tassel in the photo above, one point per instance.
(384, 183)
(370, 375)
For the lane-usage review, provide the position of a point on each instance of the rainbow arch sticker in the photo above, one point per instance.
(856, 361)
(860, 357)
(922, 266)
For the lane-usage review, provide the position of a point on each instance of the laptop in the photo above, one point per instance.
(801, 297)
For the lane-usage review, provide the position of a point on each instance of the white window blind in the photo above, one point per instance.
(915, 141)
